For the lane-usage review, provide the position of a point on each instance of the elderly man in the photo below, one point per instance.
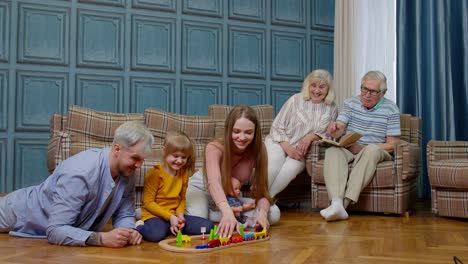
(72, 205)
(377, 119)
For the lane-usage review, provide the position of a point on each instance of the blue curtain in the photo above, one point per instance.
(432, 69)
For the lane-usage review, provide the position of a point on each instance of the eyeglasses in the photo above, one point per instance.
(365, 90)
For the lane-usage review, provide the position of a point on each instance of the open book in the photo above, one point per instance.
(344, 141)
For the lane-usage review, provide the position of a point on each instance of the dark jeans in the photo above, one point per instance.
(156, 229)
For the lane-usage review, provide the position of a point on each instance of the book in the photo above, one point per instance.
(344, 141)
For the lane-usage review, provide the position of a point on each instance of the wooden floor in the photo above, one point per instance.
(301, 237)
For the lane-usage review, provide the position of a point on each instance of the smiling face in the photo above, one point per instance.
(243, 133)
(318, 90)
(175, 161)
(124, 161)
(370, 92)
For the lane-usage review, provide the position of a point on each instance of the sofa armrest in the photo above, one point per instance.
(407, 160)
(443, 150)
(316, 153)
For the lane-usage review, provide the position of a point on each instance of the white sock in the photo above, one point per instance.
(324, 212)
(336, 212)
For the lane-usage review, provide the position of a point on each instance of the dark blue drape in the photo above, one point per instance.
(432, 69)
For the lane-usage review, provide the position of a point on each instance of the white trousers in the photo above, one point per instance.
(199, 202)
(281, 168)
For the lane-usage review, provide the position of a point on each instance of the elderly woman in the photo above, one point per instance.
(304, 115)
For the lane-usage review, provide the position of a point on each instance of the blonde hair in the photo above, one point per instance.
(319, 75)
(256, 150)
(179, 141)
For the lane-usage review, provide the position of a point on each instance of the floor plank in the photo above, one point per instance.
(302, 236)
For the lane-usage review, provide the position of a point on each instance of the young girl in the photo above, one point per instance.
(164, 192)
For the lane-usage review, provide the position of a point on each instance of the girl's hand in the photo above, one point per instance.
(174, 221)
(262, 219)
(181, 220)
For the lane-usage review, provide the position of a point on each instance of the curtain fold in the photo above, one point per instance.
(432, 70)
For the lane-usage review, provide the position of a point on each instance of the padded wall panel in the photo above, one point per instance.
(203, 7)
(153, 43)
(152, 93)
(247, 49)
(100, 39)
(193, 92)
(201, 52)
(322, 52)
(246, 93)
(288, 55)
(102, 93)
(288, 12)
(3, 99)
(250, 10)
(44, 34)
(280, 94)
(321, 17)
(38, 96)
(163, 5)
(4, 31)
(30, 162)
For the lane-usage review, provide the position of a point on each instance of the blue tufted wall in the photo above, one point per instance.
(128, 55)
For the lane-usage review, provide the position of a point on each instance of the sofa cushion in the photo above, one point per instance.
(450, 173)
(219, 113)
(383, 178)
(93, 129)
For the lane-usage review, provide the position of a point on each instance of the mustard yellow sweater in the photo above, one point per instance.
(163, 194)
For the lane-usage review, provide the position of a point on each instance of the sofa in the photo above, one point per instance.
(447, 166)
(83, 128)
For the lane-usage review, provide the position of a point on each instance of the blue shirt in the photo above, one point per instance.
(65, 206)
(373, 124)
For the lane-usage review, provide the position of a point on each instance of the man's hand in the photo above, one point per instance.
(336, 129)
(119, 237)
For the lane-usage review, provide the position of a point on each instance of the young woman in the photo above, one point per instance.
(164, 192)
(240, 154)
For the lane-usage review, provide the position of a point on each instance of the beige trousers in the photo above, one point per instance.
(335, 170)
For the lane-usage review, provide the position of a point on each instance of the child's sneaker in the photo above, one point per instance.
(139, 223)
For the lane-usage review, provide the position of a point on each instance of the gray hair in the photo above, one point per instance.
(131, 133)
(376, 75)
(319, 75)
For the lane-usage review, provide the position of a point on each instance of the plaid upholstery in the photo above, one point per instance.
(219, 113)
(393, 188)
(59, 143)
(447, 166)
(92, 129)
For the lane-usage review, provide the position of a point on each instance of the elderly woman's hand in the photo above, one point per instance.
(304, 144)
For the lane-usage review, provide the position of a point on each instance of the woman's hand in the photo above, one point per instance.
(292, 152)
(262, 219)
(304, 144)
(228, 222)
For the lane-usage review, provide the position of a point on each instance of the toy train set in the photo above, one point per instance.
(204, 243)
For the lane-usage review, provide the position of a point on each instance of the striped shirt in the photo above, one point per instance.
(373, 124)
(299, 117)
